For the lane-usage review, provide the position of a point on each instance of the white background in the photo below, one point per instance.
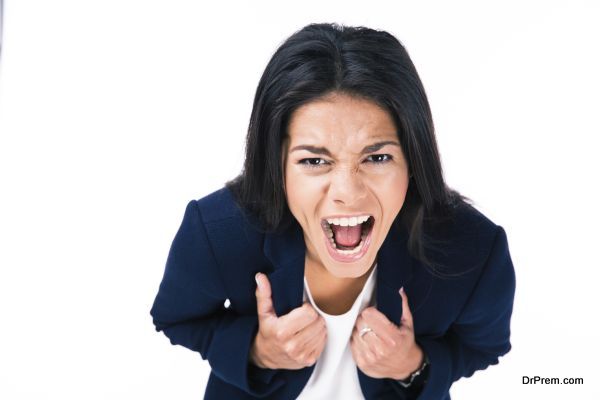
(115, 113)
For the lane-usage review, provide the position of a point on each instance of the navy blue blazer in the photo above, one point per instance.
(461, 322)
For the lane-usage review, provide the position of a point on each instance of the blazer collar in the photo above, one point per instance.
(286, 251)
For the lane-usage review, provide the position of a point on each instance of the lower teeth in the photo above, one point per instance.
(349, 252)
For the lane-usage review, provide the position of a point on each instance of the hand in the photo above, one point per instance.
(389, 351)
(293, 341)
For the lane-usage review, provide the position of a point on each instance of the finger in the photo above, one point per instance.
(378, 322)
(318, 349)
(311, 349)
(370, 342)
(362, 348)
(406, 319)
(264, 303)
(298, 319)
(314, 341)
(307, 337)
(312, 333)
(299, 347)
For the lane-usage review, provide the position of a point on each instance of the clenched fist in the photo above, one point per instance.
(292, 341)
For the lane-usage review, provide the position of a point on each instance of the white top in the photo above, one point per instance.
(335, 376)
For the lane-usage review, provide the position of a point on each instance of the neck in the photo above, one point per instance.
(332, 294)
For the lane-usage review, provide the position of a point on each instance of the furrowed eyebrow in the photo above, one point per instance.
(322, 150)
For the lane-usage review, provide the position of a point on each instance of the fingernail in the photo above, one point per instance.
(402, 289)
(256, 279)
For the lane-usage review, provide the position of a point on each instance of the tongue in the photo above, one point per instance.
(348, 236)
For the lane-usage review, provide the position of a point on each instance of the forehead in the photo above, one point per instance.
(341, 118)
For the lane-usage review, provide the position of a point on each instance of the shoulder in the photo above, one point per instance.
(218, 205)
(226, 224)
(464, 221)
(464, 239)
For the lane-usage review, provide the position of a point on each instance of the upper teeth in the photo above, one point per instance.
(348, 221)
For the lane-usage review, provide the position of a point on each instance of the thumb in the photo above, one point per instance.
(406, 319)
(264, 303)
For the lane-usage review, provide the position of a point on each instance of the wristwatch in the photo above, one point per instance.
(413, 377)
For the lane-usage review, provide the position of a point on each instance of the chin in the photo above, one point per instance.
(345, 270)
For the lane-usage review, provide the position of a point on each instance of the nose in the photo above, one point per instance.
(347, 187)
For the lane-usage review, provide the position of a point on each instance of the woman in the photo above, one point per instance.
(338, 264)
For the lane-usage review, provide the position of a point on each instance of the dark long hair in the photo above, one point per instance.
(321, 59)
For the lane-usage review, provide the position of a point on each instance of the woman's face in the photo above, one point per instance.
(343, 159)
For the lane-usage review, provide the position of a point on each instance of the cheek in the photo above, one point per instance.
(397, 188)
(300, 192)
(298, 180)
(390, 182)
(392, 190)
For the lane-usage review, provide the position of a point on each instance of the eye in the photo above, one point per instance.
(380, 159)
(377, 159)
(310, 162)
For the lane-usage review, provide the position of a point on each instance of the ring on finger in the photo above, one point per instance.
(364, 331)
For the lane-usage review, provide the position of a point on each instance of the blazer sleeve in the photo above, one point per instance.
(481, 333)
(189, 309)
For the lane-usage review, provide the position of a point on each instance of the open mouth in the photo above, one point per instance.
(346, 241)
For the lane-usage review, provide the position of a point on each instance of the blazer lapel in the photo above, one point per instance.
(394, 270)
(286, 251)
